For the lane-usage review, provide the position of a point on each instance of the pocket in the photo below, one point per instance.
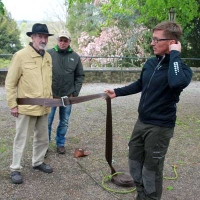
(158, 153)
(31, 71)
(31, 79)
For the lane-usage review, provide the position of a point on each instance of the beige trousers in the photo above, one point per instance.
(25, 127)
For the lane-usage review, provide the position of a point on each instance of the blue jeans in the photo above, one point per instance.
(64, 114)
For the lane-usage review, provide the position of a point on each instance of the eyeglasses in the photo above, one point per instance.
(156, 40)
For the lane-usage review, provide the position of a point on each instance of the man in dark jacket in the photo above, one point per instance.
(68, 76)
(161, 81)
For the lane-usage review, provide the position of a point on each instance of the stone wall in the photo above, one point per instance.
(110, 76)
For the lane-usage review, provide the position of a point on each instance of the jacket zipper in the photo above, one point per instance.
(156, 68)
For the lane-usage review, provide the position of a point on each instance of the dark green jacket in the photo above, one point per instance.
(68, 74)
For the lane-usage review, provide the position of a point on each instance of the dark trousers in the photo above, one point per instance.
(147, 149)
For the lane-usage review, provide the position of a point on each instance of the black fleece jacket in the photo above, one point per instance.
(161, 81)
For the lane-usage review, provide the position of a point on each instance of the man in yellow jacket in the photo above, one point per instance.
(30, 76)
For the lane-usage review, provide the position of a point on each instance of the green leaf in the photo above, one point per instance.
(170, 188)
(2, 11)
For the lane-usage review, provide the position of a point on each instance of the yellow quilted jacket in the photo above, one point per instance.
(29, 75)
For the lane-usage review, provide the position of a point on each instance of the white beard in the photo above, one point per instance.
(42, 46)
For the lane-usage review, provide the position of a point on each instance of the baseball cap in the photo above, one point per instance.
(64, 33)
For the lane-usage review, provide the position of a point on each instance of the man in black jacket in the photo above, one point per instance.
(68, 76)
(161, 81)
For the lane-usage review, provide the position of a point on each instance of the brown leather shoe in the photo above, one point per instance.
(81, 153)
(61, 149)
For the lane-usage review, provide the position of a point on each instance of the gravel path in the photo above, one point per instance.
(80, 179)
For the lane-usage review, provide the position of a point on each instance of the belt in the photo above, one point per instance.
(64, 101)
(123, 180)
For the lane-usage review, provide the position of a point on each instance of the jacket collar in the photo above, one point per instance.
(67, 50)
(165, 60)
(39, 52)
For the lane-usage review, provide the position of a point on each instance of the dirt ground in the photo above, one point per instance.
(81, 179)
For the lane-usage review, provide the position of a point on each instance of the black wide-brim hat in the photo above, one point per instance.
(39, 28)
